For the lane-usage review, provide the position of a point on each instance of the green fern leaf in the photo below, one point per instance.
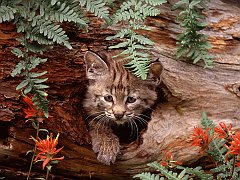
(22, 84)
(155, 2)
(35, 61)
(143, 40)
(53, 32)
(18, 69)
(139, 67)
(147, 176)
(7, 13)
(17, 52)
(164, 171)
(97, 7)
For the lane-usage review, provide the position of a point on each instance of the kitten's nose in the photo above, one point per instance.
(118, 115)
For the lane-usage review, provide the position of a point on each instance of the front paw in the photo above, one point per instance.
(107, 148)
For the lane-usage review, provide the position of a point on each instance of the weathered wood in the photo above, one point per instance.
(189, 89)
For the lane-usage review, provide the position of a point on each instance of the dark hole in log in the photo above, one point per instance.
(4, 126)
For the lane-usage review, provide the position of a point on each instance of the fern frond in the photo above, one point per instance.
(148, 176)
(143, 40)
(207, 123)
(18, 69)
(7, 13)
(133, 13)
(53, 32)
(120, 34)
(41, 101)
(64, 12)
(155, 2)
(35, 61)
(169, 174)
(197, 171)
(139, 66)
(97, 7)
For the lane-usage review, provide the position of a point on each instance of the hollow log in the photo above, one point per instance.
(189, 90)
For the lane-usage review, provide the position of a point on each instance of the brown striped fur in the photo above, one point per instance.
(115, 96)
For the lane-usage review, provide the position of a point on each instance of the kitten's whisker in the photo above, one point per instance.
(136, 128)
(93, 114)
(150, 108)
(139, 115)
(130, 123)
(97, 117)
(141, 120)
(99, 123)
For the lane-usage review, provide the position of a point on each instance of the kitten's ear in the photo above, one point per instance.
(155, 72)
(95, 65)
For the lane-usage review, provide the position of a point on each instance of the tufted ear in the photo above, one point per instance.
(95, 65)
(155, 72)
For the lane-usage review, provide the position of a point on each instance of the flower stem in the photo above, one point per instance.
(47, 174)
(233, 166)
(34, 152)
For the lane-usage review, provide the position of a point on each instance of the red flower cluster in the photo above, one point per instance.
(201, 138)
(223, 131)
(32, 111)
(168, 160)
(47, 148)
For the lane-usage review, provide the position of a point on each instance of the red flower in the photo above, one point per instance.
(47, 148)
(201, 138)
(235, 144)
(168, 160)
(31, 110)
(223, 131)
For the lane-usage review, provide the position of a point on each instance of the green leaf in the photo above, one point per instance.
(194, 3)
(22, 84)
(28, 89)
(34, 75)
(53, 2)
(41, 86)
(37, 81)
(18, 69)
(42, 93)
(180, 4)
(147, 176)
(181, 175)
(17, 52)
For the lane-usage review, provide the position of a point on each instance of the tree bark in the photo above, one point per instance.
(189, 90)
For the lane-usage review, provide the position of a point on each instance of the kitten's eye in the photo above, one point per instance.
(131, 99)
(108, 98)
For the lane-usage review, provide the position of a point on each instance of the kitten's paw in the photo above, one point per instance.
(108, 152)
(107, 149)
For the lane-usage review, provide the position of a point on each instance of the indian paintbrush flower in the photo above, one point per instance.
(32, 111)
(223, 131)
(168, 160)
(234, 147)
(201, 138)
(47, 149)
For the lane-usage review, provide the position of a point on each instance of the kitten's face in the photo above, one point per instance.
(114, 94)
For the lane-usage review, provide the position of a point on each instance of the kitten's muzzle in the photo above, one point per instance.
(118, 116)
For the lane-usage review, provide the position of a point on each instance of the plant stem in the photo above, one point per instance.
(34, 152)
(233, 166)
(47, 173)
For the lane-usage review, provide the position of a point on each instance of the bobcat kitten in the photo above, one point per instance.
(115, 96)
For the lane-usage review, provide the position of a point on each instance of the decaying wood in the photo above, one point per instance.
(189, 90)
